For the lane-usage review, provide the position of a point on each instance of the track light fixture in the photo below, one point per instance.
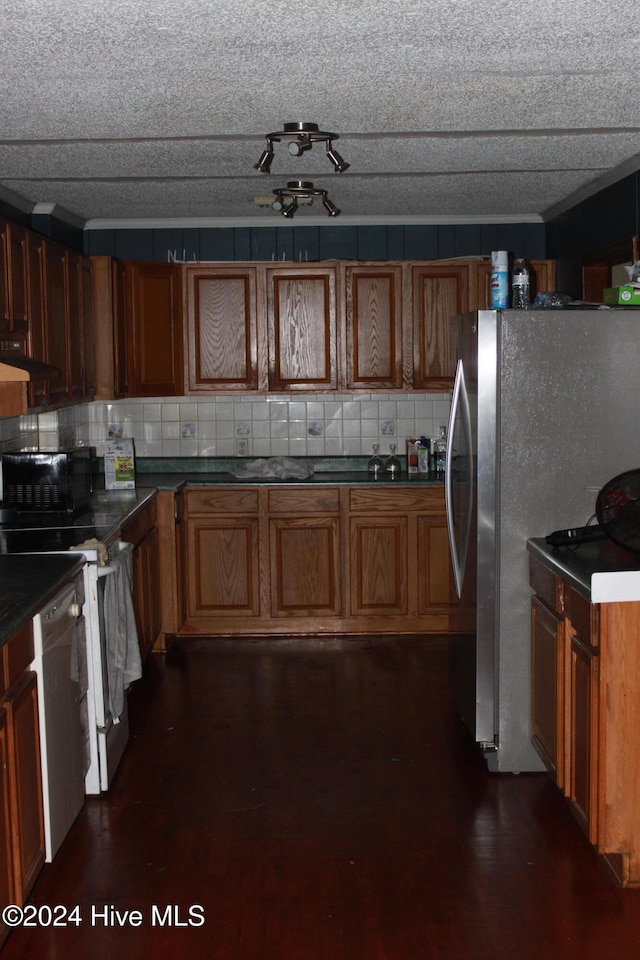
(266, 159)
(288, 198)
(301, 137)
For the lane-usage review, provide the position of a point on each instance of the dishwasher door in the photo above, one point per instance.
(59, 646)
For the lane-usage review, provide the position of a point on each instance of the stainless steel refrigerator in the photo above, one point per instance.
(545, 409)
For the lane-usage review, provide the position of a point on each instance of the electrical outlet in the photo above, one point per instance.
(242, 447)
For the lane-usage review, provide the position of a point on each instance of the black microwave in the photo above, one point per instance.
(44, 482)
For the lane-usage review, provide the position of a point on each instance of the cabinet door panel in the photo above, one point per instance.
(547, 702)
(119, 346)
(155, 331)
(18, 283)
(21, 705)
(223, 567)
(378, 566)
(435, 584)
(6, 873)
(374, 326)
(301, 307)
(222, 329)
(88, 328)
(5, 310)
(57, 325)
(76, 325)
(146, 581)
(583, 758)
(305, 567)
(439, 293)
(38, 389)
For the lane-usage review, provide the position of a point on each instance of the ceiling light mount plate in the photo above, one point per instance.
(296, 192)
(301, 135)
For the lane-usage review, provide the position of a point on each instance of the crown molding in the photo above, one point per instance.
(60, 213)
(186, 223)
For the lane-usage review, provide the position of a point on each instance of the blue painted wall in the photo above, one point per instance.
(608, 218)
(299, 243)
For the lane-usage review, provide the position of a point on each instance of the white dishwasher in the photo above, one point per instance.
(60, 660)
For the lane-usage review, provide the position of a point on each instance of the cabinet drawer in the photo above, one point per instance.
(295, 500)
(584, 616)
(546, 585)
(387, 499)
(142, 521)
(214, 500)
(17, 655)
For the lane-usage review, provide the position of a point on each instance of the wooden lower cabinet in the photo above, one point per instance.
(21, 804)
(222, 566)
(320, 559)
(379, 563)
(222, 558)
(592, 718)
(6, 839)
(21, 706)
(547, 663)
(172, 550)
(142, 532)
(582, 786)
(305, 567)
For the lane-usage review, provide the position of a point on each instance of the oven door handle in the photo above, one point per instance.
(105, 571)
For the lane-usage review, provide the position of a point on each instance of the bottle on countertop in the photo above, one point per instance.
(424, 451)
(520, 286)
(375, 466)
(412, 455)
(392, 463)
(441, 450)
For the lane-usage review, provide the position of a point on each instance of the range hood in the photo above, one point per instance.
(16, 368)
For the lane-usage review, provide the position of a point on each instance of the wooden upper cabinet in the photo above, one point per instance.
(374, 326)
(76, 326)
(222, 331)
(110, 318)
(88, 328)
(38, 389)
(302, 328)
(542, 277)
(120, 365)
(57, 321)
(439, 292)
(13, 279)
(5, 314)
(154, 330)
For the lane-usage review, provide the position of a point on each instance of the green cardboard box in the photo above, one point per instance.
(626, 296)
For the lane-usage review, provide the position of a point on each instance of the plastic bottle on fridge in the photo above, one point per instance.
(499, 280)
(520, 299)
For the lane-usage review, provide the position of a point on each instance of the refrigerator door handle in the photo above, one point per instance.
(459, 407)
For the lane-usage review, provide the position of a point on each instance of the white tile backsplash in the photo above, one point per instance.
(274, 426)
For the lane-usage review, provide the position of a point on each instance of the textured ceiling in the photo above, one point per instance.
(446, 109)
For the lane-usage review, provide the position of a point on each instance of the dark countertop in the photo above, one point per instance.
(167, 473)
(27, 583)
(174, 481)
(600, 570)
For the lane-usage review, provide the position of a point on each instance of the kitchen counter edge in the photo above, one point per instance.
(599, 570)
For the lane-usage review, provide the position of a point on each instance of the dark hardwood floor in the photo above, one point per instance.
(320, 801)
